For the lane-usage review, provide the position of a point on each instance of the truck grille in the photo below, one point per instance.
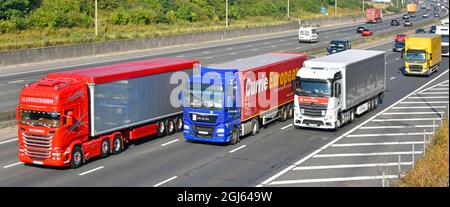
(200, 131)
(313, 110)
(37, 146)
(415, 68)
(313, 122)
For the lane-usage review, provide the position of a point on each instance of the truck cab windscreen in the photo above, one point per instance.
(313, 88)
(204, 96)
(417, 56)
(444, 38)
(336, 46)
(40, 118)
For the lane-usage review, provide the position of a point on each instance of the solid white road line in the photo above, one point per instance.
(165, 181)
(322, 167)
(238, 148)
(376, 144)
(11, 165)
(399, 127)
(428, 97)
(10, 140)
(340, 179)
(89, 171)
(351, 130)
(286, 127)
(167, 143)
(392, 78)
(408, 113)
(438, 89)
(366, 154)
(16, 81)
(390, 134)
(423, 102)
(419, 107)
(434, 93)
(419, 119)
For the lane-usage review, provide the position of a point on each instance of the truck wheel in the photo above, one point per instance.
(291, 111)
(352, 115)
(370, 105)
(375, 103)
(77, 157)
(104, 148)
(284, 114)
(179, 124)
(255, 126)
(161, 128)
(234, 137)
(117, 145)
(170, 127)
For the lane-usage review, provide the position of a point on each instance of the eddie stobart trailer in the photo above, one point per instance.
(331, 90)
(230, 100)
(69, 117)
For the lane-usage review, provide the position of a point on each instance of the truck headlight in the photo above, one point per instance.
(56, 154)
(220, 130)
(186, 127)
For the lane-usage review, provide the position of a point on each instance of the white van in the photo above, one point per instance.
(444, 32)
(308, 34)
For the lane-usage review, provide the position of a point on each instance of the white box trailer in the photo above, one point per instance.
(330, 90)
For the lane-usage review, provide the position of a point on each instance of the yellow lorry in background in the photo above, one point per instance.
(411, 8)
(422, 54)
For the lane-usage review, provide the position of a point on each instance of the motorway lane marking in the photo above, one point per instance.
(10, 140)
(165, 181)
(434, 93)
(233, 53)
(323, 167)
(390, 134)
(423, 102)
(430, 97)
(366, 154)
(238, 148)
(180, 56)
(255, 49)
(408, 113)
(439, 89)
(206, 52)
(398, 127)
(377, 144)
(89, 171)
(392, 78)
(167, 143)
(420, 119)
(340, 179)
(286, 127)
(273, 46)
(16, 81)
(420, 107)
(11, 165)
(269, 180)
(397, 58)
(209, 57)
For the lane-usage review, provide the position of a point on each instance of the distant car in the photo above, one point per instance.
(412, 15)
(394, 22)
(360, 29)
(420, 31)
(400, 38)
(433, 29)
(425, 16)
(336, 46)
(405, 16)
(398, 47)
(408, 23)
(367, 32)
(436, 15)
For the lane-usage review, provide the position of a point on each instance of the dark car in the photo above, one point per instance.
(408, 23)
(394, 22)
(398, 47)
(433, 29)
(336, 46)
(436, 15)
(425, 16)
(405, 16)
(360, 29)
(420, 31)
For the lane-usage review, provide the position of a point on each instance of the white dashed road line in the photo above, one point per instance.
(238, 148)
(167, 143)
(10, 140)
(286, 127)
(165, 181)
(11, 165)
(89, 171)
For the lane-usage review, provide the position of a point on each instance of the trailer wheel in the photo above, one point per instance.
(234, 137)
(255, 126)
(104, 148)
(170, 127)
(77, 157)
(352, 115)
(375, 103)
(179, 123)
(284, 114)
(370, 105)
(161, 128)
(117, 144)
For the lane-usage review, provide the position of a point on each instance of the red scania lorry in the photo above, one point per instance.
(71, 116)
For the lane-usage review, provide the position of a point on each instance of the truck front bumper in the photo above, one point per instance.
(191, 137)
(212, 137)
(311, 122)
(56, 162)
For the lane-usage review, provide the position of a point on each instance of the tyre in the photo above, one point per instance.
(161, 127)
(117, 144)
(375, 103)
(170, 126)
(352, 115)
(255, 126)
(179, 124)
(284, 114)
(105, 148)
(339, 121)
(291, 111)
(234, 137)
(370, 105)
(77, 157)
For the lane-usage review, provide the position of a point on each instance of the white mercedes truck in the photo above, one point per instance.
(331, 90)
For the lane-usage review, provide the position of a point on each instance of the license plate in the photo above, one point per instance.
(38, 162)
(202, 132)
(314, 125)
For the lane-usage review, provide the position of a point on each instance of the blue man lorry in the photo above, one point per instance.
(227, 101)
